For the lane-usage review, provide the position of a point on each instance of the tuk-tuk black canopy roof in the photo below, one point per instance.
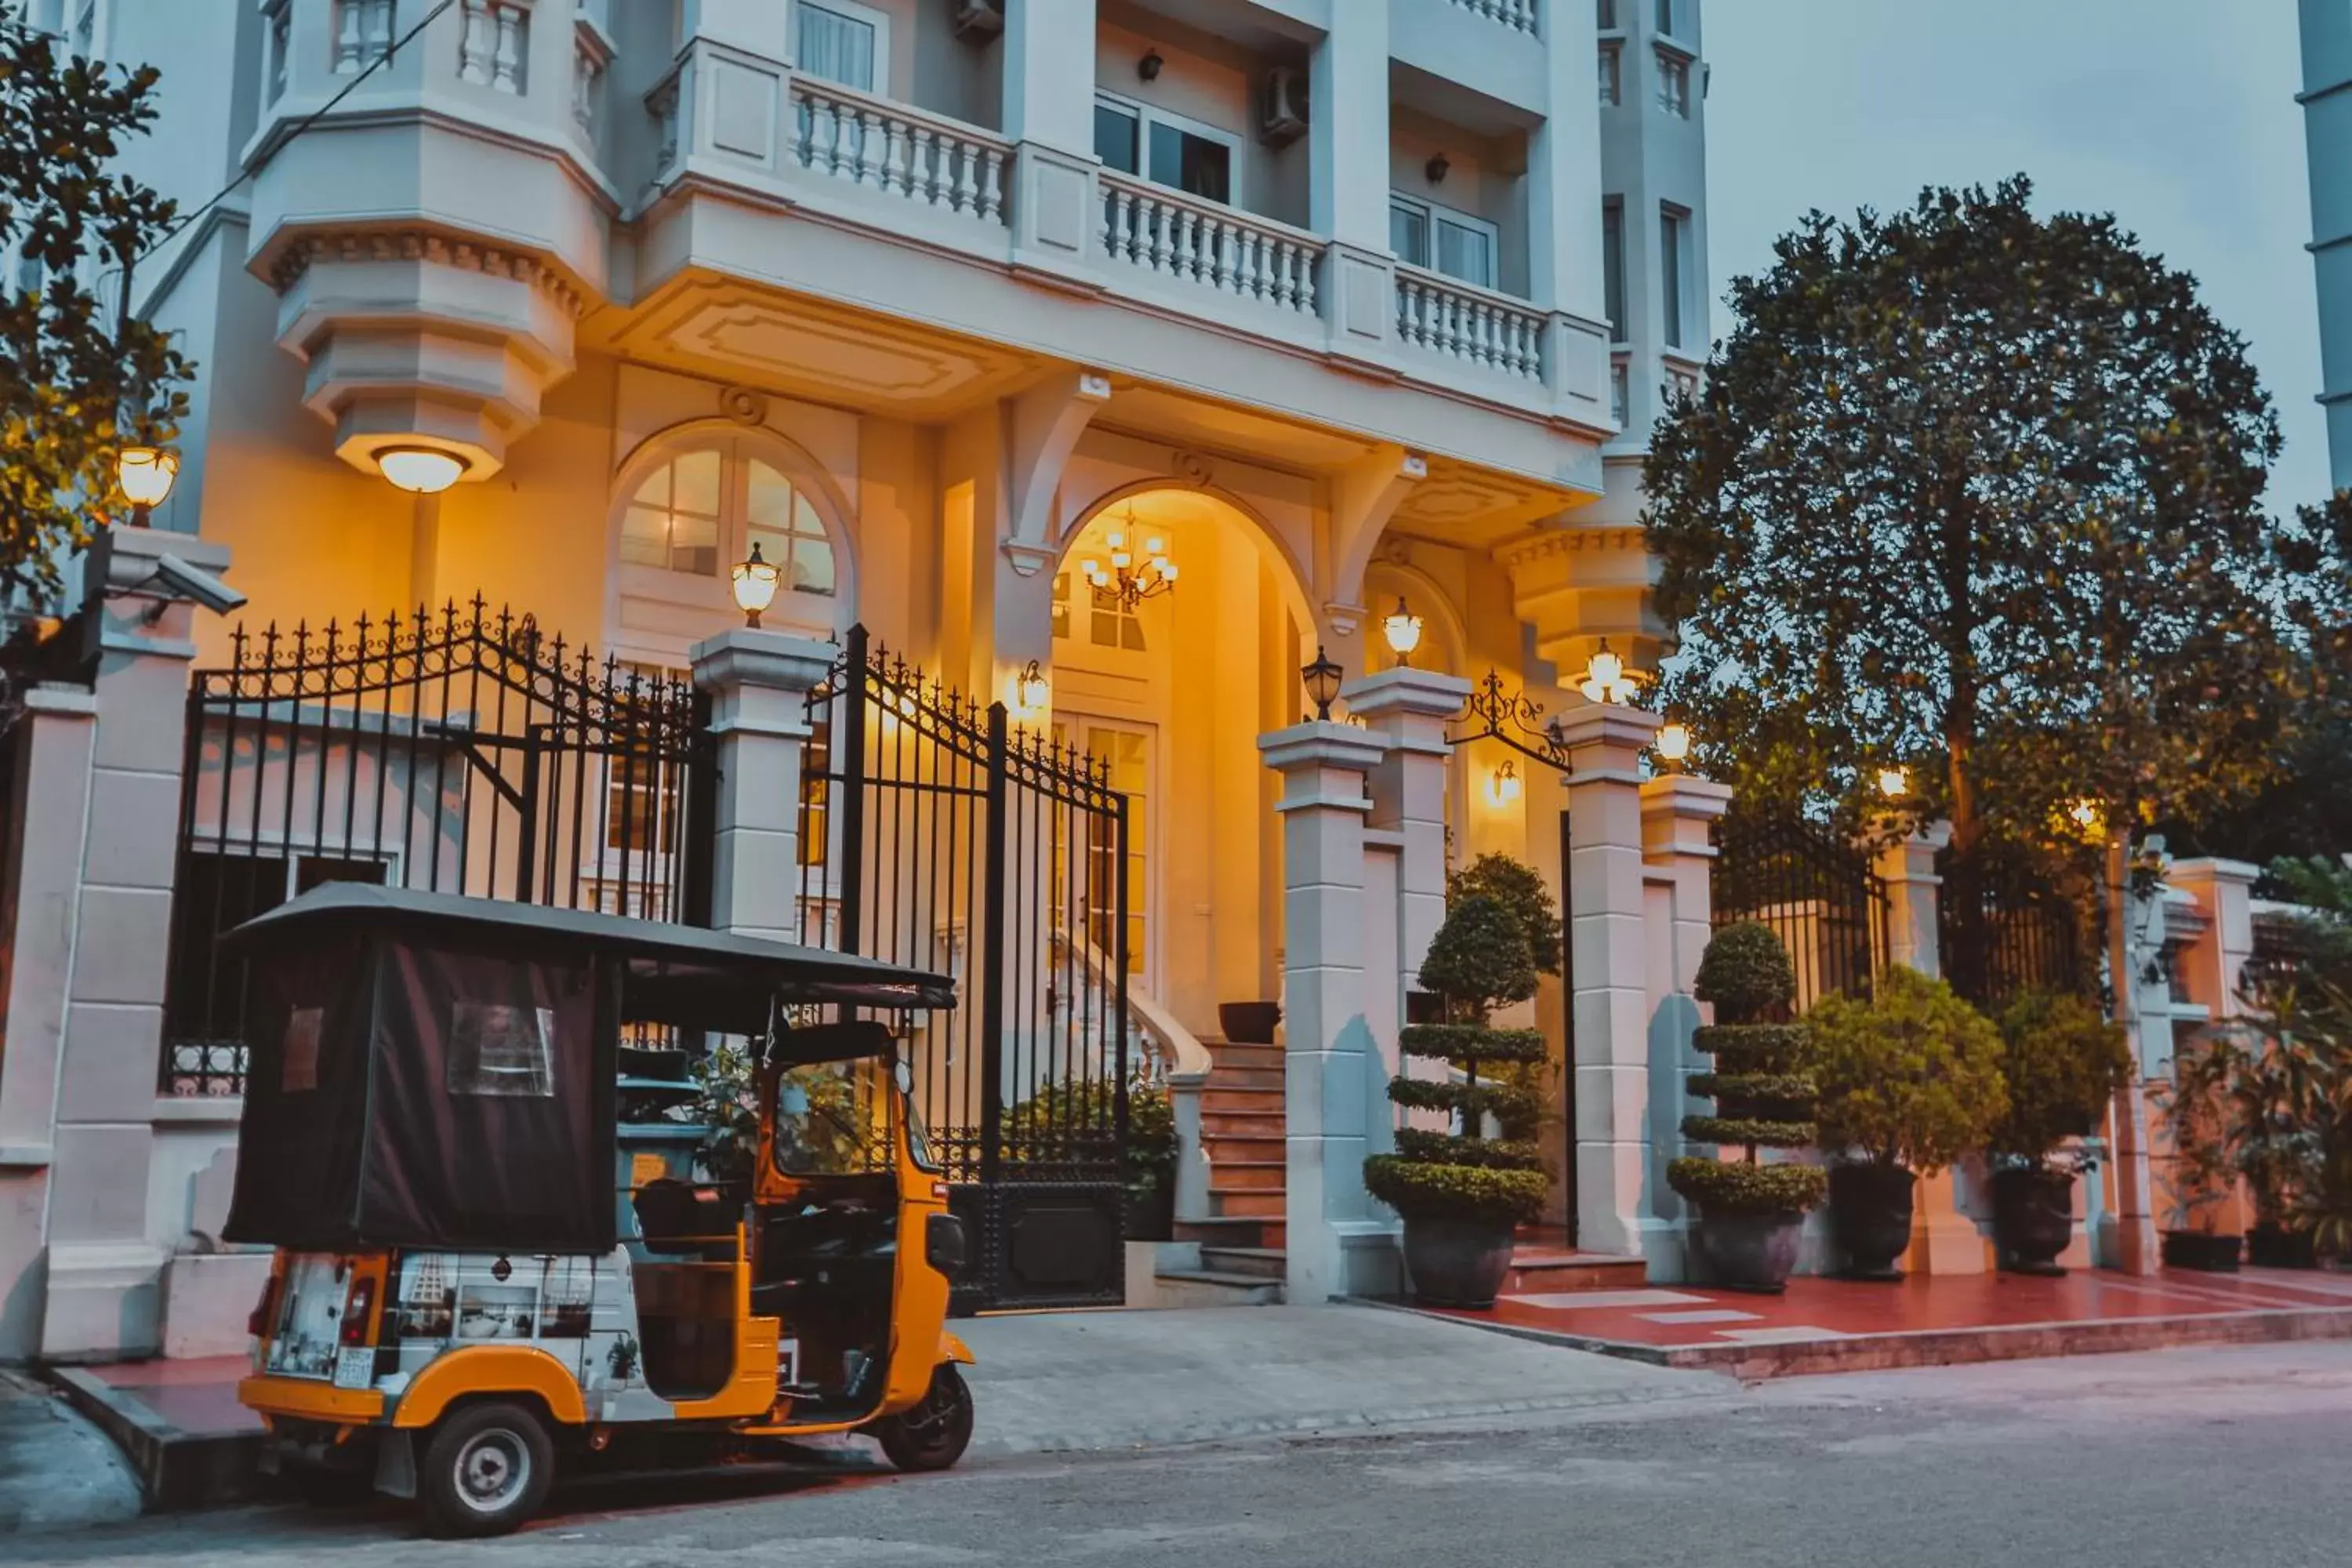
(690, 976)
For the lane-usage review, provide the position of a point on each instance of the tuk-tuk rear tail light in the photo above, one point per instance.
(356, 1307)
(264, 1316)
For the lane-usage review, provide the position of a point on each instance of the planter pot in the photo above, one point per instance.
(2271, 1246)
(1870, 1217)
(1750, 1251)
(1150, 1208)
(2033, 1218)
(1249, 1023)
(1455, 1261)
(2196, 1249)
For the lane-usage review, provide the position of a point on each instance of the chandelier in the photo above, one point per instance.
(1124, 580)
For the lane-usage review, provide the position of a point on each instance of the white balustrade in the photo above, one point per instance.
(898, 150)
(363, 34)
(1478, 328)
(1172, 235)
(1519, 14)
(278, 35)
(494, 45)
(587, 79)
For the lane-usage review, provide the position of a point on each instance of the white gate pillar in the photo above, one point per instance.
(759, 683)
(1608, 997)
(1409, 709)
(1337, 1242)
(1678, 811)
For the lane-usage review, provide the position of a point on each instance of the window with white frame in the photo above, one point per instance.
(1674, 270)
(1674, 83)
(1423, 234)
(704, 509)
(843, 42)
(1613, 76)
(1612, 267)
(1168, 149)
(1605, 15)
(1667, 17)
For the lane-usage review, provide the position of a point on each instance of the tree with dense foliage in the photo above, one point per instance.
(1979, 492)
(1910, 1076)
(1519, 888)
(78, 381)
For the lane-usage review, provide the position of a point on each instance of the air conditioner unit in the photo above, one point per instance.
(1281, 106)
(976, 21)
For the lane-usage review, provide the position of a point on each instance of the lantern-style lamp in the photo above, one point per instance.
(420, 470)
(144, 475)
(1606, 679)
(1674, 745)
(1503, 783)
(1031, 691)
(1894, 782)
(755, 586)
(1402, 628)
(1322, 678)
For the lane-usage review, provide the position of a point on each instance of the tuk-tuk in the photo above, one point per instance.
(481, 1275)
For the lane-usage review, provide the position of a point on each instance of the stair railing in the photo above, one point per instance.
(1180, 1061)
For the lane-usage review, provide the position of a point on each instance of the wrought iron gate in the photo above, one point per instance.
(937, 833)
(1818, 895)
(2024, 936)
(460, 753)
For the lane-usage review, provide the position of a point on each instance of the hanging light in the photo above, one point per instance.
(145, 474)
(1607, 679)
(1402, 628)
(1503, 783)
(421, 470)
(1674, 745)
(1030, 692)
(1894, 782)
(1124, 580)
(755, 586)
(1322, 678)
(2088, 815)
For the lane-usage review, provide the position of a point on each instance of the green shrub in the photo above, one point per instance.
(1747, 974)
(1751, 1048)
(1462, 1043)
(1718, 1186)
(1085, 1105)
(2062, 1062)
(1518, 1106)
(1912, 1076)
(1748, 1131)
(1443, 1148)
(1421, 1190)
(1478, 961)
(1519, 888)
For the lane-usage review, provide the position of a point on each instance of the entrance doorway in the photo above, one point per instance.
(1122, 752)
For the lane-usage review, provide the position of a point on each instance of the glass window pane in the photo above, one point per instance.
(1192, 163)
(1104, 631)
(1613, 267)
(1670, 278)
(645, 536)
(694, 545)
(1114, 138)
(771, 498)
(697, 483)
(811, 567)
(1465, 253)
(655, 491)
(1409, 234)
(836, 48)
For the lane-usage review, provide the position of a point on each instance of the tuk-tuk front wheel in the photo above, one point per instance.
(934, 1434)
(487, 1471)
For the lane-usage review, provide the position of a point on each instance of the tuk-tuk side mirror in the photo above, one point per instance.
(947, 1245)
(903, 1076)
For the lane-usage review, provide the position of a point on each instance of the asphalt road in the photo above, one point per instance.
(2235, 1455)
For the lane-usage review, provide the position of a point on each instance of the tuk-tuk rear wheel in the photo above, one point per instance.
(934, 1434)
(486, 1469)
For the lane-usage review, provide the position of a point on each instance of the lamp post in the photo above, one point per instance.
(144, 475)
(1322, 678)
(1402, 628)
(755, 586)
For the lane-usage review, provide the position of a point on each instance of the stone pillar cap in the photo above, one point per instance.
(1426, 693)
(1322, 743)
(746, 656)
(1685, 794)
(1608, 724)
(2209, 868)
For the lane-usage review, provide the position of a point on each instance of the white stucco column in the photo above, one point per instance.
(760, 27)
(759, 683)
(1049, 116)
(1348, 177)
(1677, 811)
(1609, 993)
(2213, 965)
(1337, 1242)
(1408, 711)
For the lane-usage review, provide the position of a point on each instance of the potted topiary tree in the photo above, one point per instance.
(2063, 1061)
(1749, 1213)
(1906, 1083)
(1460, 1193)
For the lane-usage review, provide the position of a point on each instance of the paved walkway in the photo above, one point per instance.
(57, 1471)
(1824, 1325)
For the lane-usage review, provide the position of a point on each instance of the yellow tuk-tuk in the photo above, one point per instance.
(483, 1275)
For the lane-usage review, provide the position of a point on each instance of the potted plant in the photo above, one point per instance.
(2064, 1062)
(1248, 1023)
(1151, 1163)
(2205, 1111)
(1749, 1213)
(1461, 1194)
(1905, 1084)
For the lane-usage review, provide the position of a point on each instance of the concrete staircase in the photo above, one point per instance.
(1241, 1244)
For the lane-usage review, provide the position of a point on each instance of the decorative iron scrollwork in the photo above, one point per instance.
(1517, 721)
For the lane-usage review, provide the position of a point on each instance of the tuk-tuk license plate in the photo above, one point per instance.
(355, 1366)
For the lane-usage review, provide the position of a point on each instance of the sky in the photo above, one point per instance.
(2177, 116)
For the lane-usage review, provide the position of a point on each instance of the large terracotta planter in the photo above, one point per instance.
(2196, 1249)
(2272, 1246)
(2033, 1218)
(1248, 1023)
(1455, 1261)
(1870, 1217)
(1754, 1252)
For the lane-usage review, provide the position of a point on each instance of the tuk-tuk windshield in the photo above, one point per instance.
(832, 1119)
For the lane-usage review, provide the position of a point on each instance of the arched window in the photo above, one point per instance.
(702, 510)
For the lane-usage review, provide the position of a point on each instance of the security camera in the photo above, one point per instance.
(198, 584)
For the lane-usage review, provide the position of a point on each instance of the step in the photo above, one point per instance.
(1262, 1057)
(1224, 1077)
(1208, 1288)
(1242, 1123)
(1251, 1204)
(1232, 1230)
(1545, 1271)
(1247, 1176)
(1224, 1146)
(1226, 1097)
(1267, 1262)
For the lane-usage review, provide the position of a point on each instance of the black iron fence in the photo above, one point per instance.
(459, 752)
(936, 832)
(1817, 893)
(2004, 929)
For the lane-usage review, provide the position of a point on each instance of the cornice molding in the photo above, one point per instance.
(427, 246)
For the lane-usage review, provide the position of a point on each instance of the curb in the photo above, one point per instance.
(1942, 1347)
(176, 1469)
